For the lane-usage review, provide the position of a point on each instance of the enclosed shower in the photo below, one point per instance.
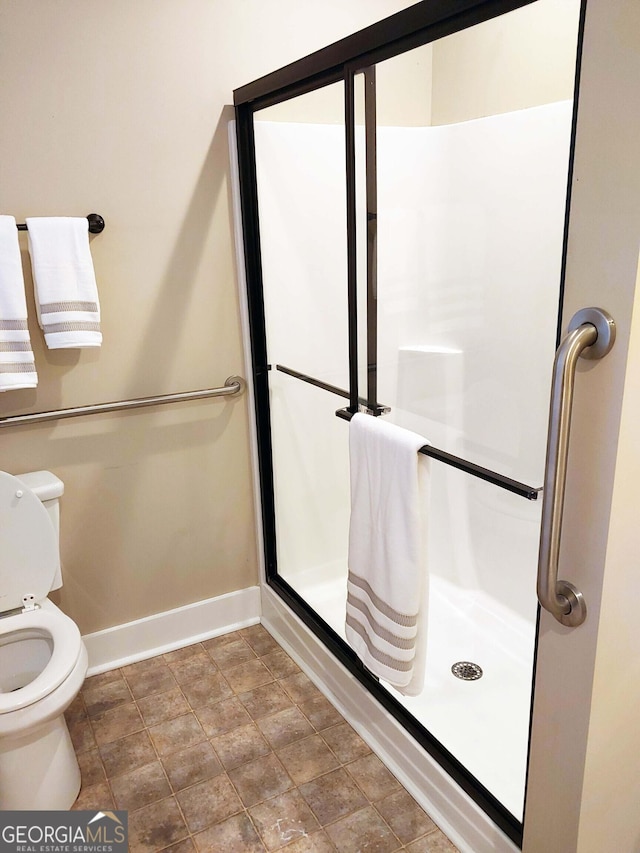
(404, 225)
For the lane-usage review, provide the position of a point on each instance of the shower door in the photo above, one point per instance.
(404, 216)
(468, 229)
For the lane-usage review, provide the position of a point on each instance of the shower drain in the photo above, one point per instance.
(466, 670)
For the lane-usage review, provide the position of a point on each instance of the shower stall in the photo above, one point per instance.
(404, 197)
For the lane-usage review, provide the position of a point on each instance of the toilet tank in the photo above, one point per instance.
(49, 489)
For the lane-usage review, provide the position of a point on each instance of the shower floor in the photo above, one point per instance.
(483, 723)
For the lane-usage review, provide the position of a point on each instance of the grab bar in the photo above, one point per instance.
(233, 385)
(591, 334)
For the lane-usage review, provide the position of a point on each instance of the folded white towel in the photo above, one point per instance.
(65, 282)
(387, 585)
(17, 366)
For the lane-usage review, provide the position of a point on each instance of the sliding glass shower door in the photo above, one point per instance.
(411, 212)
(471, 202)
(301, 189)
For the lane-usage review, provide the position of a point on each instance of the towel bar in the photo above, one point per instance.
(233, 385)
(96, 224)
(515, 486)
(341, 392)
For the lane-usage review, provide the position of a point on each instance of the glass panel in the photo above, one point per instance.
(300, 162)
(311, 488)
(473, 135)
(471, 204)
(301, 175)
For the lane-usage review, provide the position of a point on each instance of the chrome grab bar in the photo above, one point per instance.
(233, 385)
(591, 334)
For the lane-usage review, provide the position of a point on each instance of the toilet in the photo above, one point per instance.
(43, 660)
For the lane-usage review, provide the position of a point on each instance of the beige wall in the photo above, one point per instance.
(608, 810)
(519, 60)
(583, 783)
(487, 69)
(119, 108)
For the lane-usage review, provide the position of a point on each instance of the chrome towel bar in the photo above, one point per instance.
(232, 386)
(591, 334)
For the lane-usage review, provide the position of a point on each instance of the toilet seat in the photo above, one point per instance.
(29, 554)
(67, 647)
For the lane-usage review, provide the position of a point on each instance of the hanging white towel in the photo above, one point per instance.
(387, 584)
(65, 283)
(17, 366)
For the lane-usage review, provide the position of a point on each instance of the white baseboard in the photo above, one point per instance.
(468, 827)
(173, 629)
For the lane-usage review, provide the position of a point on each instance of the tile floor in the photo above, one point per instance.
(227, 746)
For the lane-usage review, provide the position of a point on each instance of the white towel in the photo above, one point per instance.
(387, 585)
(17, 366)
(65, 282)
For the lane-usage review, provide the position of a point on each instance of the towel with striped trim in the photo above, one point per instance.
(17, 365)
(64, 281)
(387, 581)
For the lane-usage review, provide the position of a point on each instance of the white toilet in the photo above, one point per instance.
(43, 660)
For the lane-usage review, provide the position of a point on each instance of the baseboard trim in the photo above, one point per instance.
(172, 629)
(468, 827)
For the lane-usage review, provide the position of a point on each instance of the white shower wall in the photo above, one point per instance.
(304, 258)
(470, 222)
(470, 229)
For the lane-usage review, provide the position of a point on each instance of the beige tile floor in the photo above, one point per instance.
(227, 746)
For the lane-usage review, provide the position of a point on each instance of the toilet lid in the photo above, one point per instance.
(29, 554)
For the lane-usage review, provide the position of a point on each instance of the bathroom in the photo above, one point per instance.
(124, 109)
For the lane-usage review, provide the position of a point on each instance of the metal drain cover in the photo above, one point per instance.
(466, 670)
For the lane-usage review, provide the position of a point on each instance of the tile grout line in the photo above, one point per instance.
(247, 811)
(236, 693)
(145, 728)
(159, 759)
(208, 739)
(174, 793)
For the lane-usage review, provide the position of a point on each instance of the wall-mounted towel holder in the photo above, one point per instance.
(96, 224)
